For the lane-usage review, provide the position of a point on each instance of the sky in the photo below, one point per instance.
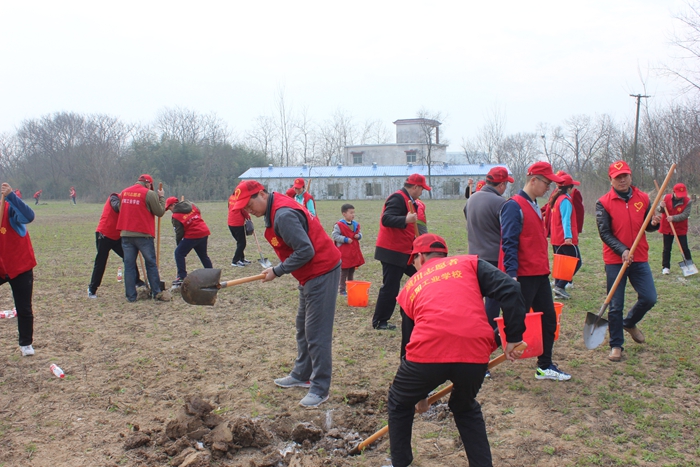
(533, 62)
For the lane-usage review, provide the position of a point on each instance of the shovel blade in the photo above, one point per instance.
(594, 330)
(264, 262)
(688, 268)
(201, 286)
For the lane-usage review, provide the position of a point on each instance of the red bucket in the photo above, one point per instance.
(558, 308)
(532, 335)
(358, 293)
(564, 267)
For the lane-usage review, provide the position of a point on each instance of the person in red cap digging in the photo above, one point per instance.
(236, 225)
(563, 227)
(303, 197)
(397, 230)
(526, 258)
(37, 195)
(72, 194)
(191, 233)
(679, 205)
(446, 294)
(620, 214)
(139, 207)
(308, 254)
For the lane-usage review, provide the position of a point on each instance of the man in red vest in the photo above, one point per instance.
(679, 206)
(17, 263)
(308, 254)
(525, 258)
(446, 293)
(620, 214)
(107, 239)
(191, 233)
(397, 229)
(136, 223)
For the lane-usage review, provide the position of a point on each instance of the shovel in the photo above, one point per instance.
(595, 327)
(435, 397)
(264, 262)
(687, 265)
(201, 286)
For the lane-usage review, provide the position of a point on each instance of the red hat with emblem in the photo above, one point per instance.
(428, 243)
(545, 169)
(618, 168)
(299, 183)
(679, 190)
(243, 192)
(418, 180)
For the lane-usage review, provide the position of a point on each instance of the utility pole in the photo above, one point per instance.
(636, 130)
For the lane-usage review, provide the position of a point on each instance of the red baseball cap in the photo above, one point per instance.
(480, 184)
(299, 183)
(679, 190)
(544, 169)
(243, 192)
(499, 175)
(419, 180)
(170, 201)
(428, 243)
(618, 168)
(146, 178)
(566, 179)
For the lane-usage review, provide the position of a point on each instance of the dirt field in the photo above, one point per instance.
(152, 384)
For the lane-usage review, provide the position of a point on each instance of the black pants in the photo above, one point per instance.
(668, 244)
(22, 289)
(391, 284)
(413, 382)
(104, 245)
(567, 250)
(537, 293)
(346, 274)
(238, 235)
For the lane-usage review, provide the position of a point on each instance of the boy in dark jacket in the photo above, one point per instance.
(191, 233)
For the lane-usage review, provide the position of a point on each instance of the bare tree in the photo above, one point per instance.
(285, 129)
(374, 132)
(430, 137)
(262, 136)
(518, 152)
(685, 66)
(336, 133)
(305, 136)
(490, 135)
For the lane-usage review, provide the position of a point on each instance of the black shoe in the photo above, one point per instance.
(384, 326)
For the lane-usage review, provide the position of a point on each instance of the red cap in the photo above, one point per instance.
(419, 180)
(290, 192)
(544, 169)
(299, 183)
(480, 184)
(244, 191)
(428, 243)
(499, 175)
(679, 190)
(566, 179)
(618, 168)
(170, 201)
(146, 178)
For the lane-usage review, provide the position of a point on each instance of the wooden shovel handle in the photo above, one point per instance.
(415, 225)
(673, 229)
(243, 280)
(640, 234)
(160, 187)
(435, 397)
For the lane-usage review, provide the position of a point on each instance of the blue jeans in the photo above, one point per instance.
(131, 247)
(199, 245)
(639, 275)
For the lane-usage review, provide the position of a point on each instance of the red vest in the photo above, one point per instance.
(350, 253)
(16, 253)
(108, 222)
(444, 301)
(533, 252)
(326, 256)
(394, 239)
(134, 215)
(627, 218)
(577, 201)
(194, 225)
(681, 227)
(236, 217)
(557, 227)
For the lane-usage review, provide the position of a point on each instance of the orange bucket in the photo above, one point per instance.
(532, 335)
(358, 292)
(558, 308)
(564, 267)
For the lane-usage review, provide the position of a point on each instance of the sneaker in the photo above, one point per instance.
(384, 326)
(570, 285)
(238, 264)
(552, 373)
(561, 293)
(244, 261)
(342, 292)
(177, 282)
(313, 400)
(487, 375)
(292, 382)
(163, 296)
(615, 354)
(635, 334)
(666, 271)
(27, 350)
(90, 294)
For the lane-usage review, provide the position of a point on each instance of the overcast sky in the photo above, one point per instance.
(536, 61)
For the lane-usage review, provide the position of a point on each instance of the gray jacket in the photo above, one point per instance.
(483, 223)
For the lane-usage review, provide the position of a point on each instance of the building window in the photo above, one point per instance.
(357, 158)
(451, 188)
(373, 189)
(335, 190)
(411, 156)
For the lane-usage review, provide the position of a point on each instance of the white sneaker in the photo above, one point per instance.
(27, 350)
(666, 271)
(90, 294)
